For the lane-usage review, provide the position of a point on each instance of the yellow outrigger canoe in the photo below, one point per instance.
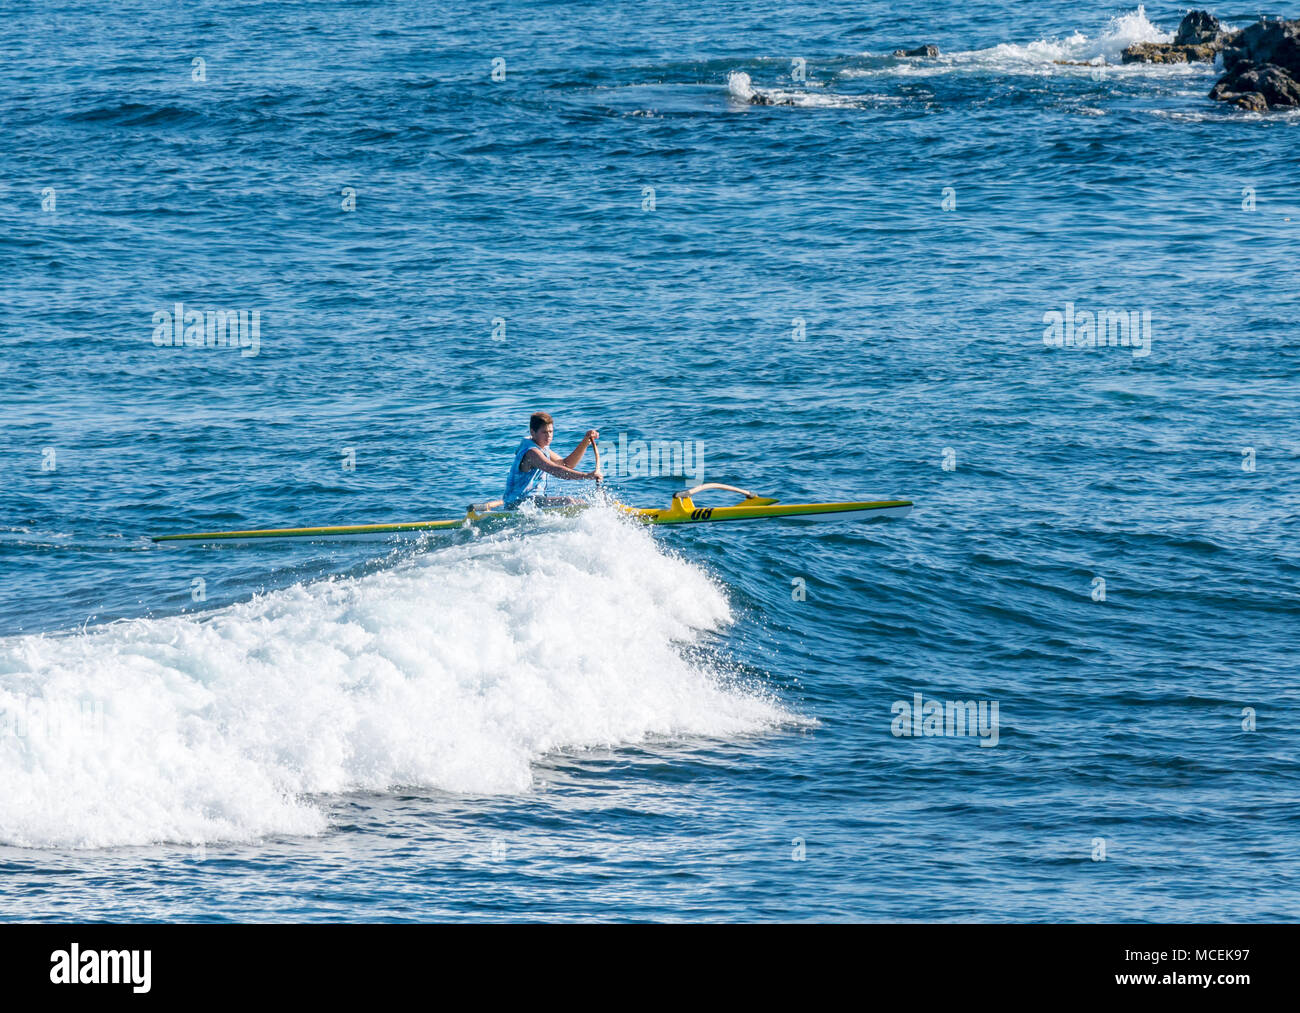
(682, 510)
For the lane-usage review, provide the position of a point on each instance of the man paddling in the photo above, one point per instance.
(535, 465)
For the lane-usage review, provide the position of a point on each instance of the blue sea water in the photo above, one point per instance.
(582, 719)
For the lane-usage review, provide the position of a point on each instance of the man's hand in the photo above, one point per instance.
(598, 475)
(574, 459)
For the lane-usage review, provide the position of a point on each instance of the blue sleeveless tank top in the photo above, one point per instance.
(522, 485)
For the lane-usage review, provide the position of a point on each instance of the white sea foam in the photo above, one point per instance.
(741, 88)
(453, 669)
(1049, 55)
(740, 85)
(1108, 46)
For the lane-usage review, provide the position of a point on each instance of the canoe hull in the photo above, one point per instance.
(865, 511)
(873, 510)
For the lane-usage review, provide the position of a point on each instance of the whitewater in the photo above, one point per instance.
(452, 669)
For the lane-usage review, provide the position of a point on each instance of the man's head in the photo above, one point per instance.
(542, 427)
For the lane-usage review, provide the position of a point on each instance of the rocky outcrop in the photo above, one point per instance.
(1198, 28)
(1262, 64)
(1265, 42)
(1198, 39)
(1258, 88)
(1167, 52)
(918, 51)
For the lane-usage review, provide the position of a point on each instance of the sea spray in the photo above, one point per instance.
(453, 669)
(1042, 56)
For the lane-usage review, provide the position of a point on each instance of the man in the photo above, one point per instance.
(535, 465)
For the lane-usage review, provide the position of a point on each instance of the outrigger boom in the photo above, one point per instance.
(682, 510)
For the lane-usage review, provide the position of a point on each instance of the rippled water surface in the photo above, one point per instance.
(839, 296)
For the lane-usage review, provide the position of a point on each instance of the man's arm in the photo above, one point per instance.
(534, 461)
(572, 460)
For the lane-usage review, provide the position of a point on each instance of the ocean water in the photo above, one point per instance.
(841, 296)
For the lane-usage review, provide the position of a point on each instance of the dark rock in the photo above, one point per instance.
(1262, 64)
(1165, 52)
(1198, 39)
(1275, 42)
(1249, 85)
(1250, 101)
(918, 51)
(1197, 28)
